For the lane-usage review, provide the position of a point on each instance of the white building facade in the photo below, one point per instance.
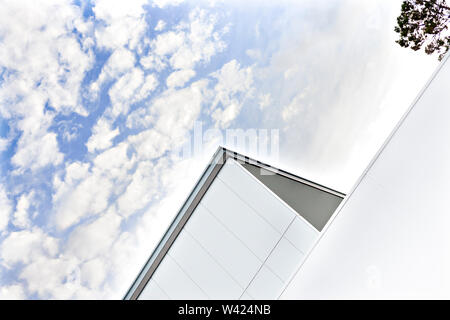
(272, 235)
(242, 234)
(390, 238)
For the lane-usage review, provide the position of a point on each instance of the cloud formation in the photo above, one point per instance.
(97, 101)
(95, 104)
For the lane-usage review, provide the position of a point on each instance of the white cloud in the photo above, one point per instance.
(297, 107)
(114, 162)
(165, 3)
(233, 86)
(125, 23)
(4, 142)
(160, 25)
(264, 100)
(89, 197)
(92, 197)
(5, 208)
(253, 53)
(131, 87)
(168, 42)
(37, 151)
(45, 63)
(150, 84)
(69, 130)
(37, 147)
(128, 89)
(225, 116)
(90, 240)
(84, 193)
(179, 78)
(120, 62)
(49, 55)
(338, 90)
(102, 136)
(131, 250)
(76, 171)
(27, 245)
(201, 41)
(150, 144)
(21, 218)
(176, 111)
(116, 9)
(124, 91)
(143, 187)
(93, 273)
(12, 292)
(172, 112)
(126, 257)
(51, 277)
(232, 79)
(152, 62)
(191, 42)
(126, 31)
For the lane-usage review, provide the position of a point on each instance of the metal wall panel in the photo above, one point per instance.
(256, 195)
(153, 292)
(232, 247)
(246, 223)
(230, 251)
(266, 285)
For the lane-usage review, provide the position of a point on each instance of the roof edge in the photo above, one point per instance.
(238, 156)
(205, 180)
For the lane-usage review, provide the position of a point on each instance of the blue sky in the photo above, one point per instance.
(99, 99)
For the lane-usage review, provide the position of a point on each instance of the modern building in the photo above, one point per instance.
(242, 233)
(251, 231)
(390, 238)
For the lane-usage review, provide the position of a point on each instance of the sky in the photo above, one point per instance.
(110, 111)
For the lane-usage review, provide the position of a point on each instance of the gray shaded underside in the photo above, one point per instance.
(315, 205)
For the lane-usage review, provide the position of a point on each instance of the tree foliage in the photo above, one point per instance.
(424, 23)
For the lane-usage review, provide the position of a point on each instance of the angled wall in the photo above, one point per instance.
(241, 242)
(391, 236)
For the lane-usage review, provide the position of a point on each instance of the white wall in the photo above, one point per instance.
(242, 241)
(391, 238)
